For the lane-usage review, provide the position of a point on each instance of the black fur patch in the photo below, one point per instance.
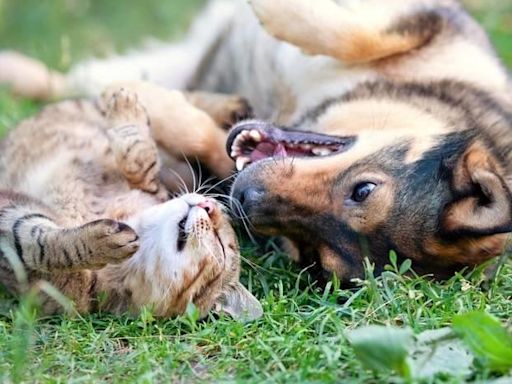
(15, 228)
(424, 24)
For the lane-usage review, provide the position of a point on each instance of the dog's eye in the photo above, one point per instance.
(362, 191)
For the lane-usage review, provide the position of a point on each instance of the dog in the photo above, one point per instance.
(383, 127)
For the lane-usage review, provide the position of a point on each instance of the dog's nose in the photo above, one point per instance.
(250, 196)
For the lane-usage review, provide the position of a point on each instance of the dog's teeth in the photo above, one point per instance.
(241, 163)
(255, 135)
(245, 134)
(319, 151)
(305, 147)
(238, 140)
(234, 153)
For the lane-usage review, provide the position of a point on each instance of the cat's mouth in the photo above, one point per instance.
(182, 234)
(188, 227)
(251, 141)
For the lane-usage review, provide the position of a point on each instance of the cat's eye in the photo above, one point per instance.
(362, 191)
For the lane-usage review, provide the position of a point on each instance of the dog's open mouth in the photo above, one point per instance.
(251, 141)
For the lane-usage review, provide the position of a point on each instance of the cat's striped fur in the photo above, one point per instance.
(82, 206)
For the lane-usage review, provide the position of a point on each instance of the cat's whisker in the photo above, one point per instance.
(199, 176)
(216, 255)
(240, 211)
(220, 182)
(244, 219)
(205, 185)
(194, 179)
(180, 179)
(252, 264)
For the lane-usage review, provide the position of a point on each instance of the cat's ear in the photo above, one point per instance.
(239, 303)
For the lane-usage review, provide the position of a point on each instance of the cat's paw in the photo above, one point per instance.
(141, 166)
(135, 151)
(110, 242)
(124, 108)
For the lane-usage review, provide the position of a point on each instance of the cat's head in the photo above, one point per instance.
(189, 253)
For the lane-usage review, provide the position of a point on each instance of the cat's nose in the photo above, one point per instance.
(209, 206)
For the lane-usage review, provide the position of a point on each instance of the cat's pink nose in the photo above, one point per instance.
(209, 206)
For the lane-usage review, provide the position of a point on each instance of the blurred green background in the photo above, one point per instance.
(63, 31)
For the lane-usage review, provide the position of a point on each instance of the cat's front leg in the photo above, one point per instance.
(135, 150)
(31, 238)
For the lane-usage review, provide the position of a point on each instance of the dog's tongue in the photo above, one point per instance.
(266, 150)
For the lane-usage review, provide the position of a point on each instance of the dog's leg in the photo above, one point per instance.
(226, 110)
(352, 32)
(179, 127)
(30, 78)
(27, 77)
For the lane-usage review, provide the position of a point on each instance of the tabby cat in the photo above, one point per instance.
(82, 206)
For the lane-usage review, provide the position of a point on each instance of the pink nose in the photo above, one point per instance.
(209, 206)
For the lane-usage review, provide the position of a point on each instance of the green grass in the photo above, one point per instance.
(302, 335)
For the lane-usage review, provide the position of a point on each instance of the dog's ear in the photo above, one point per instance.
(483, 204)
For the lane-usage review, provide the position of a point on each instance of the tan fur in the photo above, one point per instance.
(225, 110)
(469, 252)
(351, 35)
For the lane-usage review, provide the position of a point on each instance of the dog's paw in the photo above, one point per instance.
(236, 109)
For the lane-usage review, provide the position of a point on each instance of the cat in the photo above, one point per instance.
(82, 206)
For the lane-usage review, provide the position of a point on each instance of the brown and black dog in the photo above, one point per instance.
(412, 154)
(392, 125)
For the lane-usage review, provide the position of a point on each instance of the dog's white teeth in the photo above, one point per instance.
(319, 151)
(255, 135)
(235, 152)
(239, 140)
(241, 162)
(306, 147)
(245, 134)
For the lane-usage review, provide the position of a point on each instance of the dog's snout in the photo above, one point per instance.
(250, 196)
